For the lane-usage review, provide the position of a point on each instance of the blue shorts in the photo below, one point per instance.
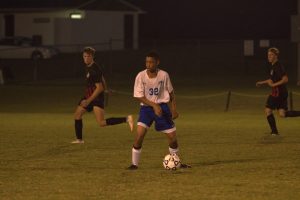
(164, 123)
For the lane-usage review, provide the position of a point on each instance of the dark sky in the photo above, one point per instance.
(211, 19)
(216, 19)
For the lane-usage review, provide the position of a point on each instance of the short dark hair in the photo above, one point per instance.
(154, 55)
(89, 50)
(274, 50)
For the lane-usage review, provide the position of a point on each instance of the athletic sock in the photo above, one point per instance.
(272, 123)
(136, 153)
(115, 120)
(78, 128)
(292, 113)
(173, 151)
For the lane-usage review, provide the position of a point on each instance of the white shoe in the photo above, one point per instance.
(77, 142)
(130, 122)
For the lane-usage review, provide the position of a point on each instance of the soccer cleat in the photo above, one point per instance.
(130, 122)
(78, 141)
(185, 166)
(132, 167)
(274, 133)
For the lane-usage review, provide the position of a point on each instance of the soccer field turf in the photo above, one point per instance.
(231, 153)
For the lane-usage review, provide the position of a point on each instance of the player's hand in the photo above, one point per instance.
(109, 92)
(175, 114)
(258, 84)
(270, 83)
(84, 103)
(298, 83)
(157, 110)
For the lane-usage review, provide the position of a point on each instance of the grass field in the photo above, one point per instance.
(231, 153)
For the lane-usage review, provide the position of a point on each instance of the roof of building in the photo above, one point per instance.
(15, 6)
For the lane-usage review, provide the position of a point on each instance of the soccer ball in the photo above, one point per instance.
(171, 162)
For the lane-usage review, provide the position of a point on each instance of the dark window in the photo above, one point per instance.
(128, 31)
(9, 25)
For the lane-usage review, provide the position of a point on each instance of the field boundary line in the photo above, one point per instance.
(206, 96)
(248, 95)
(179, 96)
(296, 93)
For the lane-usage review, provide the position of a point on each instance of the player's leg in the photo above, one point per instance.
(292, 113)
(146, 117)
(78, 124)
(173, 146)
(99, 114)
(166, 125)
(271, 120)
(283, 108)
(137, 147)
(282, 113)
(270, 106)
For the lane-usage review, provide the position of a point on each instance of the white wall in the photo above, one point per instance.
(25, 26)
(97, 29)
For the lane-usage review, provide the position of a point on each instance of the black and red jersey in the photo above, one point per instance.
(276, 74)
(94, 75)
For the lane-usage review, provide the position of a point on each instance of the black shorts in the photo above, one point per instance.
(280, 102)
(99, 102)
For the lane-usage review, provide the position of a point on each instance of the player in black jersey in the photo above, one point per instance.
(93, 99)
(278, 98)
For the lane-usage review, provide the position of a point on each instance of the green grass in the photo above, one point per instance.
(231, 153)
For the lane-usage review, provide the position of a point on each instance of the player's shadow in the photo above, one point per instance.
(271, 139)
(223, 162)
(55, 151)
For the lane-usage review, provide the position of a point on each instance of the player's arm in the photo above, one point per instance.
(104, 83)
(172, 105)
(259, 83)
(155, 106)
(283, 80)
(97, 91)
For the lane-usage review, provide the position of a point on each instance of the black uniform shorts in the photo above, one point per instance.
(280, 102)
(99, 102)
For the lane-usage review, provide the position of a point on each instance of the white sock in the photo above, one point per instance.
(173, 151)
(136, 153)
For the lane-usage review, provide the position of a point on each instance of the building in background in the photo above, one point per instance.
(70, 25)
(295, 35)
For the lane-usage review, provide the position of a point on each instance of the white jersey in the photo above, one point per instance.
(154, 89)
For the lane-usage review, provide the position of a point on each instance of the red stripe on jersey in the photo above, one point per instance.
(275, 92)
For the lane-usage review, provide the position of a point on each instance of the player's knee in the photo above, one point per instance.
(268, 111)
(77, 115)
(282, 114)
(102, 124)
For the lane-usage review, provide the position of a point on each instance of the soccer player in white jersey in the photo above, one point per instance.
(154, 90)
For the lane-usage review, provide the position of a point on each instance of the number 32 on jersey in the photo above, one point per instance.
(153, 91)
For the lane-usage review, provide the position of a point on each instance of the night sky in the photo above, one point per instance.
(216, 19)
(210, 19)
